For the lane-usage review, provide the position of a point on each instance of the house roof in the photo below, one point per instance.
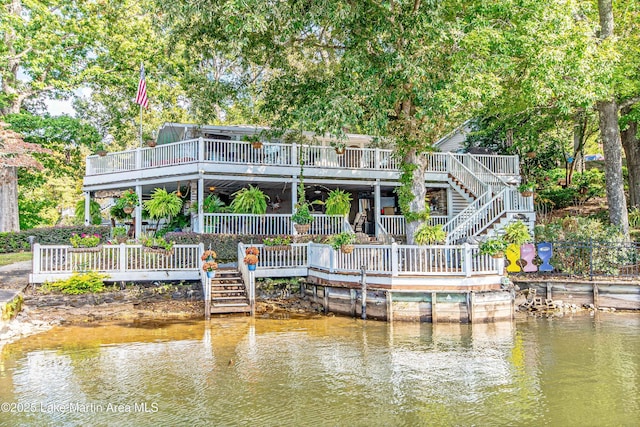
(172, 132)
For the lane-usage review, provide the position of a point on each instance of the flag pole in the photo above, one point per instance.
(140, 133)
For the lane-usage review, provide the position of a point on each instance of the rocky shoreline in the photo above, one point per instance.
(153, 301)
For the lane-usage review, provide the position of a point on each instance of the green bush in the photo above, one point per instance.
(79, 283)
(18, 242)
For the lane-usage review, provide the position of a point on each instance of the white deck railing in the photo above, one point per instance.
(395, 224)
(121, 262)
(242, 152)
(132, 263)
(269, 224)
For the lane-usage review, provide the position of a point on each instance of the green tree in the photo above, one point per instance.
(408, 70)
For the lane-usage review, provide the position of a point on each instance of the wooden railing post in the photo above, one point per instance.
(36, 258)
(201, 149)
(122, 257)
(467, 265)
(394, 259)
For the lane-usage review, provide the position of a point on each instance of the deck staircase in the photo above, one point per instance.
(228, 293)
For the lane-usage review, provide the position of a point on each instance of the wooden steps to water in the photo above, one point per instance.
(228, 293)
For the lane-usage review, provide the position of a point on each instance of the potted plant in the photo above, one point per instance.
(250, 200)
(493, 246)
(128, 201)
(209, 255)
(338, 203)
(339, 146)
(517, 233)
(119, 234)
(210, 267)
(429, 234)
(343, 241)
(254, 140)
(278, 243)
(251, 260)
(163, 205)
(302, 218)
(149, 140)
(85, 243)
(157, 245)
(101, 150)
(526, 189)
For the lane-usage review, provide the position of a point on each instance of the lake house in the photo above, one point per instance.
(470, 195)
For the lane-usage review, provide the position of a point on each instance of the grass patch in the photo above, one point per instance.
(6, 259)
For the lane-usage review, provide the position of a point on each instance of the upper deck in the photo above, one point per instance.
(239, 158)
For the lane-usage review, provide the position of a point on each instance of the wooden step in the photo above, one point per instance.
(230, 309)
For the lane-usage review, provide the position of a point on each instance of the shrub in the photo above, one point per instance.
(19, 241)
(78, 283)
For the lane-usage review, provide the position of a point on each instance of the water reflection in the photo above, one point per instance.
(329, 371)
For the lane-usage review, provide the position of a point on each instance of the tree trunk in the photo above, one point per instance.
(610, 134)
(612, 147)
(9, 219)
(631, 145)
(418, 189)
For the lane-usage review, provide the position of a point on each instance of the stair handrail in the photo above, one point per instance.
(387, 238)
(482, 218)
(483, 172)
(464, 214)
(462, 173)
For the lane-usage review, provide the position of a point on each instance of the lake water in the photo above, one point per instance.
(575, 370)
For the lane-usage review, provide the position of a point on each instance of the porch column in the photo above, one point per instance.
(450, 213)
(139, 212)
(376, 205)
(87, 208)
(200, 207)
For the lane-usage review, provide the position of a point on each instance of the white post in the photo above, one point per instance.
(376, 162)
(138, 154)
(36, 258)
(376, 206)
(122, 257)
(294, 154)
(201, 149)
(139, 212)
(87, 208)
(332, 261)
(200, 207)
(467, 260)
(394, 259)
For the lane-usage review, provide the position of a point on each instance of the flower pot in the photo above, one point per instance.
(340, 150)
(157, 250)
(151, 143)
(86, 249)
(101, 153)
(498, 255)
(128, 209)
(278, 248)
(302, 228)
(527, 193)
(531, 154)
(347, 249)
(251, 267)
(211, 274)
(256, 145)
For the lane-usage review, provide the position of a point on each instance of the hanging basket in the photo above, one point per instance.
(151, 143)
(531, 154)
(211, 274)
(86, 249)
(340, 150)
(498, 255)
(346, 249)
(128, 209)
(278, 248)
(251, 267)
(256, 145)
(157, 250)
(302, 228)
(101, 153)
(527, 193)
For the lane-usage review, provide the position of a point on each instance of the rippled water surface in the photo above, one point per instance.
(327, 371)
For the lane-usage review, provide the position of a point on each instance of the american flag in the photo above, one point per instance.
(141, 96)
